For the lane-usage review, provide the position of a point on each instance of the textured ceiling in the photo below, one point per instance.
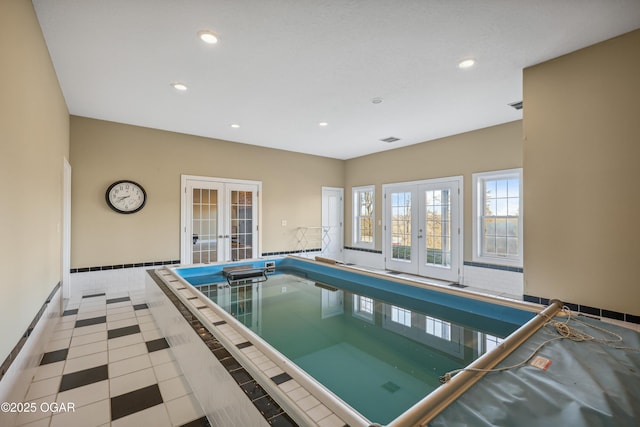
(283, 66)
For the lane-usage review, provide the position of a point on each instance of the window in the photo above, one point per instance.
(487, 342)
(363, 307)
(498, 217)
(438, 328)
(363, 219)
(401, 316)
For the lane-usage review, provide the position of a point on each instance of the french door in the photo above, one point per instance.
(219, 220)
(422, 230)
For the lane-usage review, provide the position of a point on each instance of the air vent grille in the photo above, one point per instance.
(516, 105)
(390, 139)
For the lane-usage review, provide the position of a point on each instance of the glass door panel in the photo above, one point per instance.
(400, 242)
(439, 216)
(205, 220)
(241, 224)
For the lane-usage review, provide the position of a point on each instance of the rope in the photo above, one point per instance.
(562, 330)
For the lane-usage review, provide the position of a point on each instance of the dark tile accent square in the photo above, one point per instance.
(218, 323)
(281, 378)
(221, 353)
(190, 298)
(230, 364)
(94, 295)
(201, 307)
(92, 321)
(140, 306)
(54, 356)
(70, 312)
(632, 318)
(572, 306)
(531, 298)
(244, 345)
(253, 390)
(116, 300)
(84, 377)
(200, 422)
(613, 314)
(121, 332)
(282, 420)
(135, 401)
(241, 376)
(155, 345)
(589, 310)
(267, 407)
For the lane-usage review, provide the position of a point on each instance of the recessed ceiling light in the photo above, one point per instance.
(208, 36)
(467, 63)
(179, 86)
(323, 124)
(235, 126)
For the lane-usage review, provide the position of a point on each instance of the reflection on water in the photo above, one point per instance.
(379, 356)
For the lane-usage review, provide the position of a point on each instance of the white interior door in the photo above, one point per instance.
(422, 233)
(203, 230)
(332, 223)
(219, 220)
(243, 222)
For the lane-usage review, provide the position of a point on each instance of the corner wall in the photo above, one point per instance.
(581, 186)
(493, 148)
(34, 136)
(103, 152)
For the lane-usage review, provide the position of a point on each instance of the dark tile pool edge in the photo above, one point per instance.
(265, 404)
(586, 309)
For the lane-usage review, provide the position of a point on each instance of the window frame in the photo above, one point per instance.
(479, 201)
(356, 238)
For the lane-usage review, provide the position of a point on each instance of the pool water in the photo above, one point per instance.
(379, 355)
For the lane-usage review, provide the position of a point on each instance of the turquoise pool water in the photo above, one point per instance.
(380, 348)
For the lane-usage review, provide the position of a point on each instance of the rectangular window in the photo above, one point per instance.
(363, 307)
(438, 328)
(363, 216)
(498, 217)
(401, 316)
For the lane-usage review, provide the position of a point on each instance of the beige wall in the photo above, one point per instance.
(103, 152)
(34, 137)
(493, 148)
(581, 187)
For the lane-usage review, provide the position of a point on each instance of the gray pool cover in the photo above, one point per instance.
(587, 383)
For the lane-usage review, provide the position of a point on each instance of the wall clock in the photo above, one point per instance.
(126, 196)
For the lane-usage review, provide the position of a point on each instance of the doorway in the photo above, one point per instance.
(219, 220)
(422, 228)
(332, 222)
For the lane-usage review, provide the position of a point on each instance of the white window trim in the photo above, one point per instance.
(355, 224)
(478, 179)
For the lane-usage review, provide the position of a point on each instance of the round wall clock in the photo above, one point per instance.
(126, 196)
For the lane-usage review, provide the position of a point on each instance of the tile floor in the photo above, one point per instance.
(108, 364)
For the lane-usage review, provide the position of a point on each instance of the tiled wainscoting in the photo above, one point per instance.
(498, 281)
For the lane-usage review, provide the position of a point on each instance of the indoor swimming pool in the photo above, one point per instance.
(379, 345)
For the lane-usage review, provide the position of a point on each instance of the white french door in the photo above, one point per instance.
(422, 228)
(219, 220)
(332, 222)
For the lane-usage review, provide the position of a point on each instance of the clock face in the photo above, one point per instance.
(126, 197)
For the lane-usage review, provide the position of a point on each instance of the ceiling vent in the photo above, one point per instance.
(516, 105)
(390, 139)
